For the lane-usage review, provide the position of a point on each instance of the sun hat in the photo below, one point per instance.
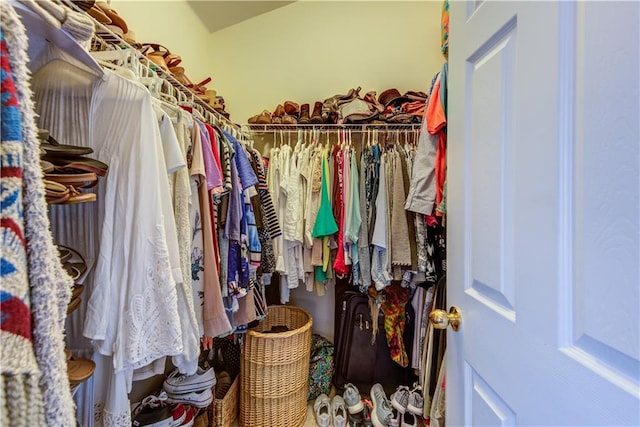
(392, 96)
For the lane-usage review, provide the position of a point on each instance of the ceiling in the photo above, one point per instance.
(217, 14)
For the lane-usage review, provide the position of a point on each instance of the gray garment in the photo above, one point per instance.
(223, 245)
(422, 190)
(443, 86)
(235, 207)
(364, 256)
(421, 234)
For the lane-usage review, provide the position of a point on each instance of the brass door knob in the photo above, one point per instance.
(440, 319)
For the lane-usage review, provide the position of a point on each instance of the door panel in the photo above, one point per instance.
(603, 224)
(489, 94)
(544, 213)
(487, 406)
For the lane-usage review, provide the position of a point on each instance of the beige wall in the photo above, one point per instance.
(172, 24)
(311, 50)
(305, 52)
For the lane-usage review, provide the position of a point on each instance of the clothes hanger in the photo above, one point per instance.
(41, 31)
(151, 81)
(299, 141)
(122, 61)
(168, 97)
(350, 141)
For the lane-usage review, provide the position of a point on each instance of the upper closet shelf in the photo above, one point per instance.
(325, 126)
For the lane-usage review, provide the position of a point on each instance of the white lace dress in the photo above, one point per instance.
(132, 312)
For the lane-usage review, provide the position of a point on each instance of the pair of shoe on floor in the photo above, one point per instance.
(404, 408)
(407, 406)
(330, 411)
(190, 389)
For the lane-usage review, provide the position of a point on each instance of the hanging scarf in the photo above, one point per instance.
(49, 286)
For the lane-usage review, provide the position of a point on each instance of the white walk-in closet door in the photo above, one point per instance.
(543, 213)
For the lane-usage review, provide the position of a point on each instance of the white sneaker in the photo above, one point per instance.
(416, 402)
(339, 411)
(400, 399)
(322, 409)
(177, 383)
(200, 399)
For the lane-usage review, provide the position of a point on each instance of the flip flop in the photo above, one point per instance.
(79, 369)
(78, 197)
(65, 253)
(46, 166)
(77, 180)
(73, 305)
(55, 192)
(77, 291)
(77, 164)
(75, 268)
(54, 148)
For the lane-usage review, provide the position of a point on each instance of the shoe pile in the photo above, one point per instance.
(158, 411)
(178, 402)
(67, 170)
(403, 409)
(194, 390)
(389, 107)
(160, 58)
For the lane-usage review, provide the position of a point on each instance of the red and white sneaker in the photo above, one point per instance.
(179, 415)
(190, 417)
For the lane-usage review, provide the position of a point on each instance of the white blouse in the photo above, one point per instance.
(131, 303)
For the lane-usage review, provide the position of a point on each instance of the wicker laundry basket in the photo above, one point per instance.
(274, 370)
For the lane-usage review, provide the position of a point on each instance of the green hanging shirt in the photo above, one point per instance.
(325, 222)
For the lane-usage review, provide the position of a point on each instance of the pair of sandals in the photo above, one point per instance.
(67, 170)
(283, 114)
(169, 63)
(75, 266)
(161, 56)
(103, 13)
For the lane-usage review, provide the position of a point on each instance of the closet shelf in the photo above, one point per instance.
(256, 128)
(105, 39)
